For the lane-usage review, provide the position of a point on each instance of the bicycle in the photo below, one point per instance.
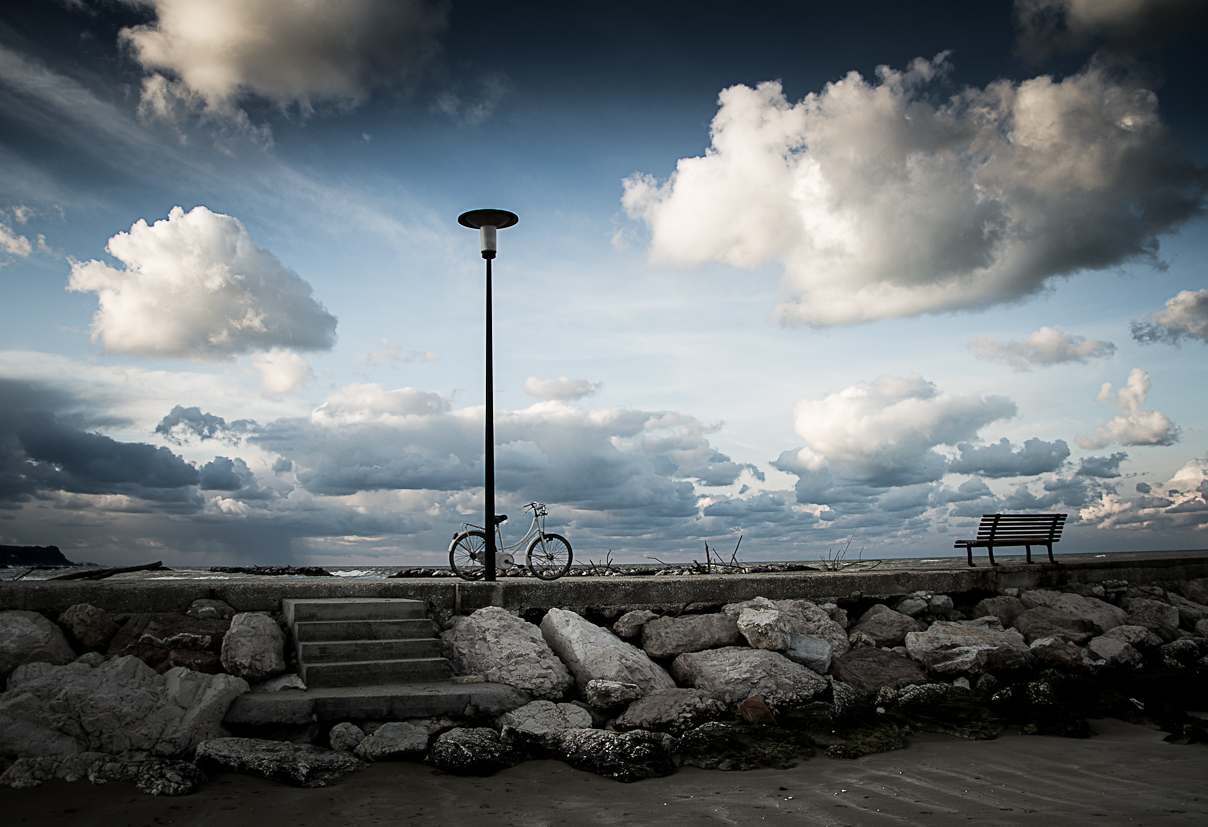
(548, 556)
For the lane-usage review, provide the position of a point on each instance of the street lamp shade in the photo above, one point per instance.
(477, 219)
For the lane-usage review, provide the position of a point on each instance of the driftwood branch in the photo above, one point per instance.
(101, 574)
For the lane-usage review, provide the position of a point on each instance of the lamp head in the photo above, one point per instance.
(487, 222)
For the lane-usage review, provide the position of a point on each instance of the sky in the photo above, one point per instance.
(819, 276)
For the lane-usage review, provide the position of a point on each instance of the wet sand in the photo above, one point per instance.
(1124, 775)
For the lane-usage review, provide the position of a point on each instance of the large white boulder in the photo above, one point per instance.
(767, 629)
(594, 653)
(506, 649)
(27, 637)
(254, 647)
(117, 707)
(735, 673)
(1103, 615)
(666, 637)
(952, 649)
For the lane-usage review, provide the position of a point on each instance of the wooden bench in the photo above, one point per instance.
(1015, 530)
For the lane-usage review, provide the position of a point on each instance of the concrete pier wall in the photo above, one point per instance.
(450, 595)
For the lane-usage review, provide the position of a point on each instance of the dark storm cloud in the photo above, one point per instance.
(182, 424)
(1103, 467)
(1000, 459)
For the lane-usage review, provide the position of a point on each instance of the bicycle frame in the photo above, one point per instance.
(536, 529)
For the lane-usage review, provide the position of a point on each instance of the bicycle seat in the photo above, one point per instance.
(500, 519)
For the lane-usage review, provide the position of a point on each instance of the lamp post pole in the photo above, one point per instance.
(487, 222)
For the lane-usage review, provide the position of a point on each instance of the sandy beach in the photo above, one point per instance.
(1126, 774)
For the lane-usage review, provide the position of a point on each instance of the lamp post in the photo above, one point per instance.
(487, 222)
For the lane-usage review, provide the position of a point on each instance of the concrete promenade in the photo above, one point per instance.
(450, 595)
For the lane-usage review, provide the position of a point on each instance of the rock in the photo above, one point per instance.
(671, 710)
(733, 746)
(754, 711)
(1003, 607)
(1196, 590)
(395, 741)
(911, 606)
(809, 620)
(666, 637)
(630, 624)
(1103, 615)
(868, 669)
(765, 628)
(28, 672)
(254, 647)
(1160, 618)
(625, 756)
(1138, 637)
(164, 641)
(949, 649)
(735, 609)
(1184, 652)
(91, 628)
(1190, 612)
(91, 659)
(885, 626)
(120, 706)
(1114, 651)
(299, 765)
(593, 653)
(286, 681)
(1201, 628)
(611, 694)
(991, 622)
(735, 673)
(941, 605)
(1057, 653)
(857, 640)
(158, 776)
(27, 637)
(505, 649)
(473, 751)
(345, 737)
(1042, 622)
(210, 609)
(546, 716)
(811, 652)
(835, 613)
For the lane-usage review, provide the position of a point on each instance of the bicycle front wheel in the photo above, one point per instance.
(468, 554)
(549, 556)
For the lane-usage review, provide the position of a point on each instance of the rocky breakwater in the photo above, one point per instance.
(761, 683)
(136, 697)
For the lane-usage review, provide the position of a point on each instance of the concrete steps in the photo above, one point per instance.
(364, 642)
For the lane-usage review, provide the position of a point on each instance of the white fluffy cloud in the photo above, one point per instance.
(879, 203)
(1047, 346)
(1138, 425)
(11, 242)
(207, 54)
(1047, 26)
(1185, 317)
(560, 388)
(281, 371)
(885, 434)
(195, 285)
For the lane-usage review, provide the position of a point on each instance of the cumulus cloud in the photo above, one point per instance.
(561, 388)
(196, 286)
(1103, 467)
(1183, 504)
(1047, 346)
(206, 56)
(884, 434)
(1049, 26)
(1185, 317)
(11, 242)
(1138, 425)
(183, 425)
(281, 371)
(880, 203)
(1000, 459)
(353, 404)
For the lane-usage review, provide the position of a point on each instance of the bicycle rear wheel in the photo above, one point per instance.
(550, 559)
(468, 554)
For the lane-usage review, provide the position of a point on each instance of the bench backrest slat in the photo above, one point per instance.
(1019, 527)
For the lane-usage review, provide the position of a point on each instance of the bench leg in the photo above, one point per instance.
(1029, 553)
(991, 550)
(969, 553)
(1051, 560)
